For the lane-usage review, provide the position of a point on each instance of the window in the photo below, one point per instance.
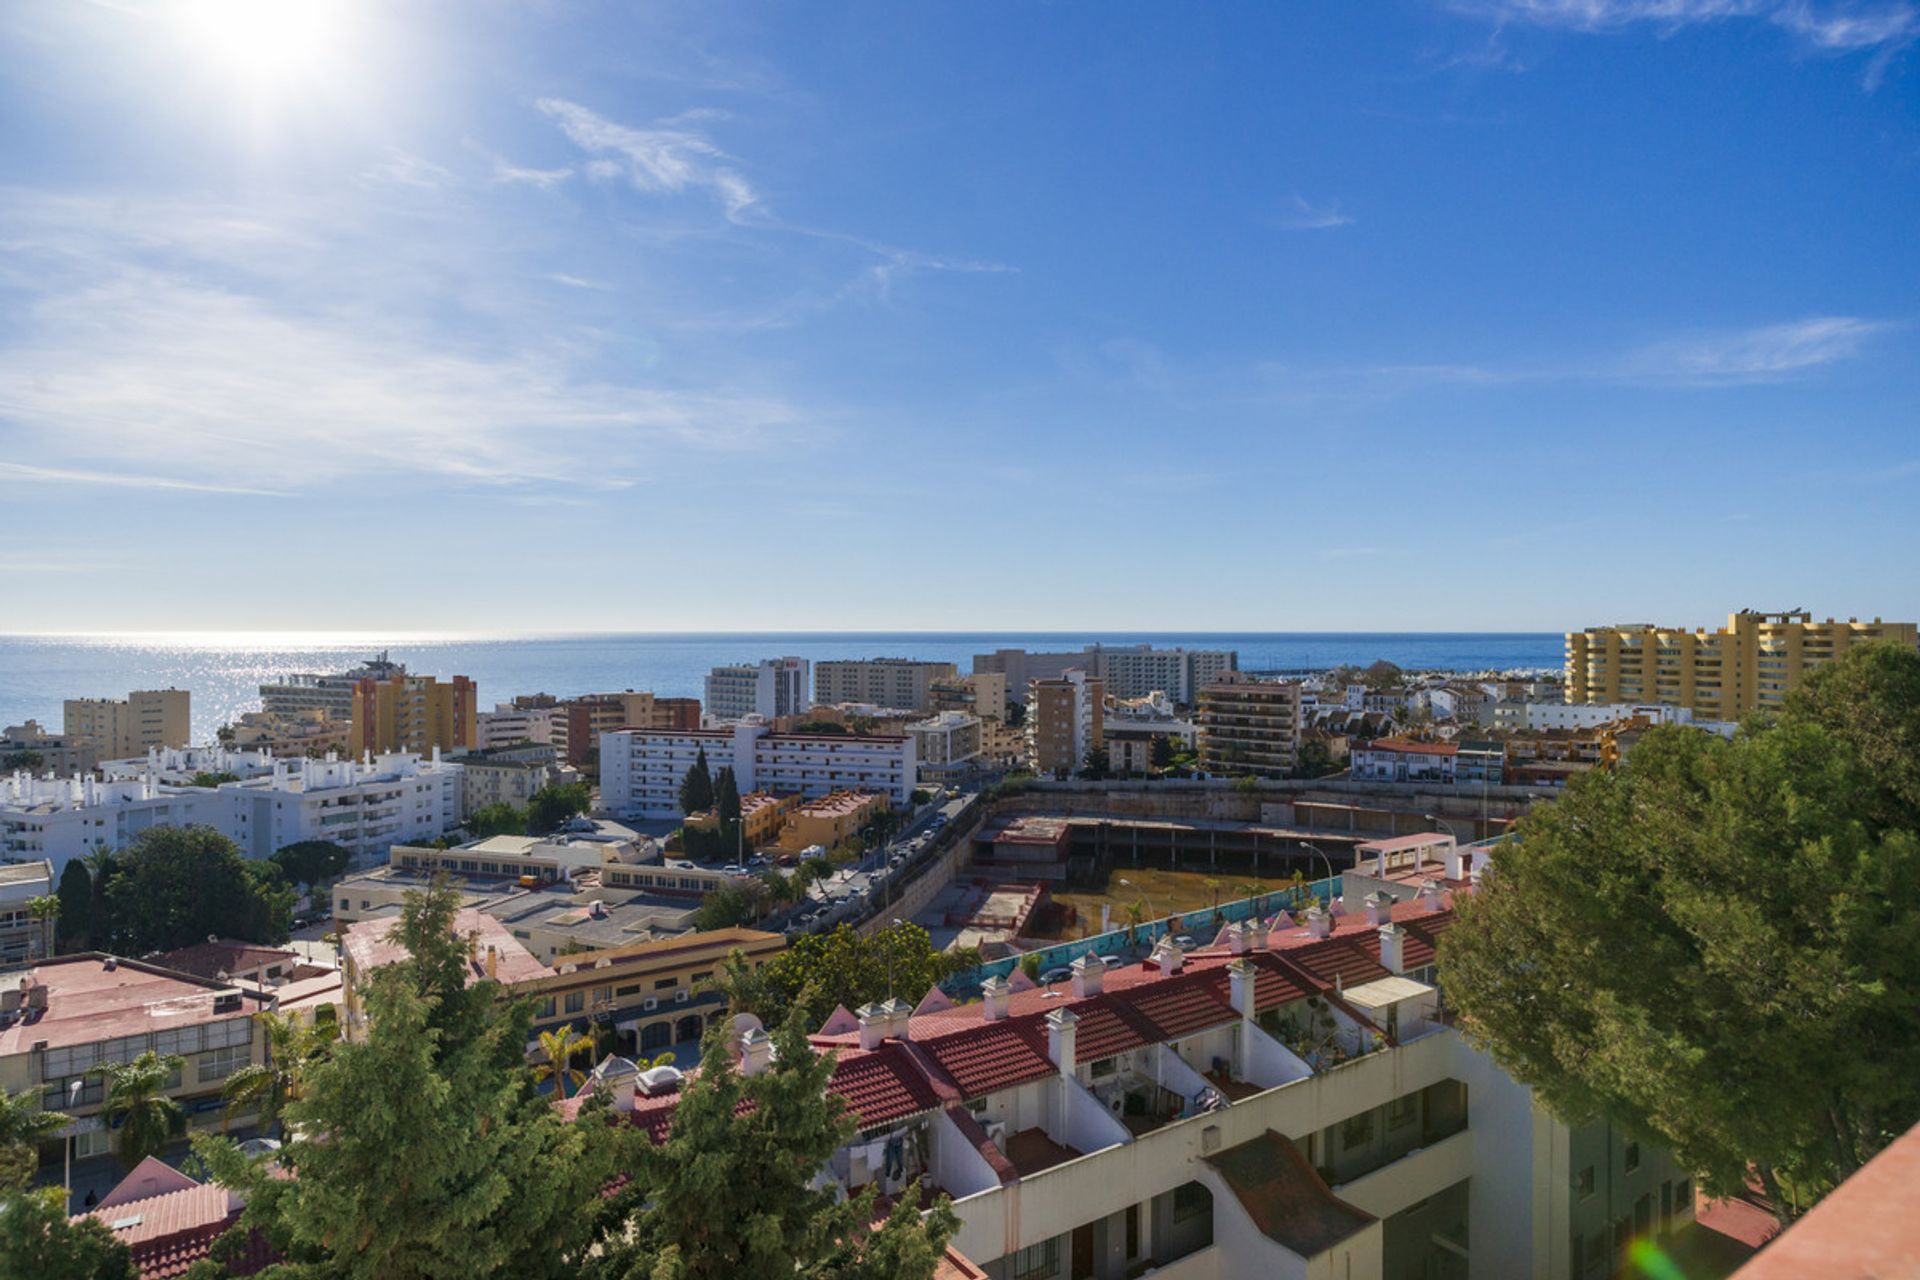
(1683, 1196)
(576, 1001)
(665, 984)
(1356, 1131)
(218, 1064)
(1105, 1067)
(1583, 1184)
(547, 1007)
(1633, 1157)
(1190, 1200)
(632, 989)
(1403, 1111)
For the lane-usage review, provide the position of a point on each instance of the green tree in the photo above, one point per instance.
(732, 1191)
(37, 1240)
(23, 1127)
(497, 819)
(206, 779)
(423, 1149)
(819, 971)
(726, 798)
(137, 1105)
(1097, 764)
(13, 761)
(226, 735)
(76, 905)
(730, 904)
(560, 1047)
(696, 789)
(44, 909)
(175, 885)
(1160, 751)
(265, 1088)
(312, 862)
(1714, 943)
(553, 804)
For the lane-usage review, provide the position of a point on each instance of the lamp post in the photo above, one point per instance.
(73, 1097)
(1144, 897)
(891, 940)
(1308, 844)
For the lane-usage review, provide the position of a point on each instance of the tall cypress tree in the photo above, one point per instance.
(76, 907)
(726, 798)
(696, 789)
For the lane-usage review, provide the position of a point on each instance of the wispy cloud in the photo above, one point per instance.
(661, 158)
(1303, 215)
(23, 472)
(1844, 26)
(403, 168)
(1766, 354)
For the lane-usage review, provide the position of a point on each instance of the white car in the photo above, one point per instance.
(733, 869)
(1113, 962)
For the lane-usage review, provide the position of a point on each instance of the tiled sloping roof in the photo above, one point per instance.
(993, 1055)
(169, 1232)
(1285, 1197)
(1183, 1004)
(225, 955)
(881, 1085)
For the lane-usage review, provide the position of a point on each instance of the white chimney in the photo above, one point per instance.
(1168, 956)
(1392, 954)
(995, 993)
(1456, 863)
(1240, 986)
(623, 1091)
(899, 1015)
(1379, 908)
(1319, 922)
(1430, 899)
(1256, 934)
(1088, 973)
(874, 1022)
(1237, 939)
(756, 1051)
(1060, 1036)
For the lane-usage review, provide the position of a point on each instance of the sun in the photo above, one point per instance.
(266, 41)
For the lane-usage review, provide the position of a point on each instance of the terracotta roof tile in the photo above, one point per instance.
(881, 1085)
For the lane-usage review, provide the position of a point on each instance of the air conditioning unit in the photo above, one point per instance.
(650, 1004)
(682, 996)
(997, 1131)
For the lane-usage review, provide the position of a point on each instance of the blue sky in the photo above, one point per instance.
(1496, 314)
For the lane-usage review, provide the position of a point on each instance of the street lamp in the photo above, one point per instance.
(73, 1098)
(1308, 844)
(1144, 897)
(891, 940)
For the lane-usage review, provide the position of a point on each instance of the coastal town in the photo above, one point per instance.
(1173, 927)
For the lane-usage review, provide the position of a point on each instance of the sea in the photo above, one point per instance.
(224, 670)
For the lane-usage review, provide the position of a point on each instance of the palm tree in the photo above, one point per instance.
(1136, 912)
(137, 1103)
(266, 1087)
(23, 1127)
(46, 909)
(561, 1045)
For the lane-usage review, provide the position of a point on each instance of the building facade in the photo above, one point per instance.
(1748, 664)
(507, 725)
(128, 726)
(420, 714)
(1066, 720)
(982, 694)
(946, 742)
(900, 683)
(1249, 727)
(641, 770)
(25, 936)
(30, 747)
(771, 687)
(1129, 671)
(590, 716)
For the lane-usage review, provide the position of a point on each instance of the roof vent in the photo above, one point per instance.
(227, 1002)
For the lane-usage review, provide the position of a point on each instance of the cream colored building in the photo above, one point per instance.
(945, 741)
(128, 726)
(982, 694)
(1249, 727)
(903, 683)
(414, 713)
(1750, 663)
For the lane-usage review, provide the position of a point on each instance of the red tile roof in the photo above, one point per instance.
(169, 1232)
(882, 1085)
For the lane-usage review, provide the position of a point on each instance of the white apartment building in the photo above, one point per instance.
(641, 769)
(506, 725)
(330, 693)
(1136, 671)
(22, 937)
(1538, 716)
(1289, 1102)
(945, 742)
(900, 683)
(364, 805)
(177, 766)
(771, 687)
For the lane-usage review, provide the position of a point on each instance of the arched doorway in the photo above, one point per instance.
(656, 1036)
(688, 1028)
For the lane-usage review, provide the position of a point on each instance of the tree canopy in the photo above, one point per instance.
(818, 971)
(496, 819)
(1715, 942)
(731, 1192)
(551, 806)
(312, 862)
(76, 906)
(696, 789)
(173, 886)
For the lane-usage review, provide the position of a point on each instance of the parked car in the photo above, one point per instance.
(1184, 941)
(733, 869)
(1052, 976)
(787, 860)
(1113, 962)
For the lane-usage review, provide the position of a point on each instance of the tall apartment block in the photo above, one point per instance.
(1249, 727)
(329, 693)
(589, 716)
(1065, 720)
(982, 694)
(1128, 671)
(1749, 664)
(904, 683)
(122, 727)
(414, 713)
(771, 687)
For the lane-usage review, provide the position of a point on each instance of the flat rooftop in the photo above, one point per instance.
(93, 997)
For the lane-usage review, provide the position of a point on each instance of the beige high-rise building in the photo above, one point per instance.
(1749, 664)
(415, 713)
(884, 682)
(1250, 727)
(982, 694)
(122, 727)
(1066, 719)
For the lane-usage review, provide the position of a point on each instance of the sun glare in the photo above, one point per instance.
(266, 41)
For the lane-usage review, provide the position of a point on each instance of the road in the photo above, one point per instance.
(843, 896)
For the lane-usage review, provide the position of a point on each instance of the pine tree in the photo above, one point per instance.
(38, 1241)
(423, 1150)
(731, 1193)
(696, 789)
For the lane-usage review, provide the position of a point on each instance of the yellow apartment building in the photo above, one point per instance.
(1749, 664)
(830, 820)
(762, 814)
(415, 713)
(123, 727)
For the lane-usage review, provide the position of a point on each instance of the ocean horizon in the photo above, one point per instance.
(224, 670)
